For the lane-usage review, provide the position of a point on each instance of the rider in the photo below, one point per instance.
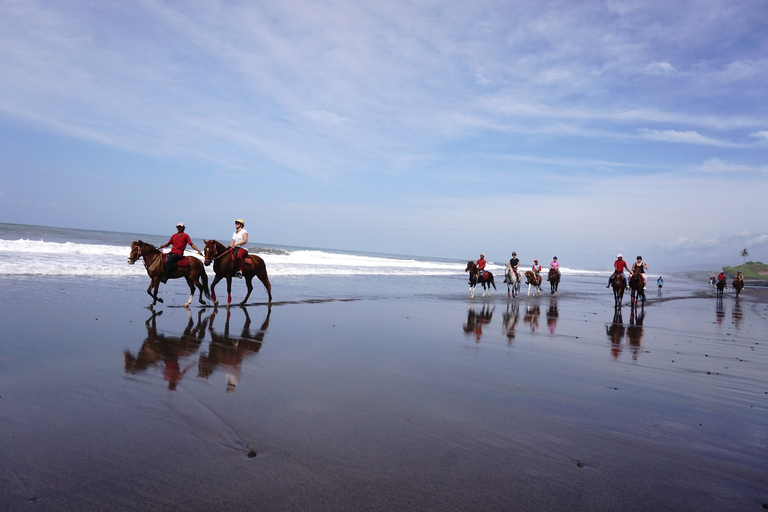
(536, 269)
(619, 266)
(514, 262)
(641, 267)
(555, 266)
(178, 243)
(739, 277)
(239, 239)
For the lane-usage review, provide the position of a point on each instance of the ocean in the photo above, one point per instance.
(296, 273)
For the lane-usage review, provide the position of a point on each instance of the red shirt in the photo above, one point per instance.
(481, 264)
(620, 266)
(179, 242)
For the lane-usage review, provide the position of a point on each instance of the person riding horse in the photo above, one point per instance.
(178, 243)
(619, 266)
(536, 268)
(239, 239)
(641, 267)
(555, 266)
(514, 263)
(481, 264)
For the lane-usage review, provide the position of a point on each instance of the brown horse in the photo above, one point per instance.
(738, 284)
(617, 282)
(637, 288)
(531, 279)
(554, 279)
(190, 269)
(224, 267)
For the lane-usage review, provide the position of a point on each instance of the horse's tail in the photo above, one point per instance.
(492, 282)
(204, 279)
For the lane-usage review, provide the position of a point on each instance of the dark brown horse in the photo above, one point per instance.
(554, 279)
(618, 285)
(224, 267)
(637, 288)
(190, 269)
(721, 285)
(738, 285)
(475, 276)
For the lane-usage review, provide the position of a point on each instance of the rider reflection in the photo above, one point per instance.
(635, 332)
(173, 354)
(615, 332)
(532, 313)
(552, 315)
(228, 351)
(170, 351)
(476, 321)
(510, 320)
(736, 314)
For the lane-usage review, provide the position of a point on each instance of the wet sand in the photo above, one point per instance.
(537, 403)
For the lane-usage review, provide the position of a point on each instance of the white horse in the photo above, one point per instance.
(513, 283)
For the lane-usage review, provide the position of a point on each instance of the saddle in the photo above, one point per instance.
(485, 275)
(246, 259)
(183, 262)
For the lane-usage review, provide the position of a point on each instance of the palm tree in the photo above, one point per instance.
(744, 253)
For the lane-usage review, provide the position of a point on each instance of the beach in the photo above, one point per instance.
(406, 395)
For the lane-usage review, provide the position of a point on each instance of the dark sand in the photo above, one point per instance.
(382, 404)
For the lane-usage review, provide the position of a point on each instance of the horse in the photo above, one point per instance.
(486, 279)
(224, 267)
(617, 282)
(721, 285)
(637, 287)
(738, 284)
(190, 269)
(531, 279)
(554, 279)
(513, 283)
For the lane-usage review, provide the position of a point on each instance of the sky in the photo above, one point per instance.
(427, 128)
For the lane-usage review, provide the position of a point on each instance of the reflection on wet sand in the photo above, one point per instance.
(476, 321)
(616, 331)
(510, 320)
(719, 311)
(532, 313)
(176, 353)
(736, 314)
(228, 352)
(552, 315)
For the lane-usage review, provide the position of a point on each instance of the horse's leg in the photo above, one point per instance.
(229, 290)
(154, 285)
(191, 291)
(248, 279)
(216, 279)
(261, 273)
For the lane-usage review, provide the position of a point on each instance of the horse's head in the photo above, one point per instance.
(470, 266)
(135, 252)
(209, 251)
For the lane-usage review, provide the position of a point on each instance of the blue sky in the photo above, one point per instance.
(434, 128)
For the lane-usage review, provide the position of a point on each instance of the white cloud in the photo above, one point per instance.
(660, 69)
(683, 137)
(718, 166)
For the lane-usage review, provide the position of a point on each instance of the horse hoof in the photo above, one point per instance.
(159, 300)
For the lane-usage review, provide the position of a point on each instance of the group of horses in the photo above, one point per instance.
(192, 270)
(721, 285)
(636, 286)
(532, 279)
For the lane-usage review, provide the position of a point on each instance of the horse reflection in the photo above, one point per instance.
(227, 351)
(532, 313)
(552, 315)
(635, 332)
(719, 311)
(169, 350)
(510, 320)
(476, 321)
(736, 314)
(615, 332)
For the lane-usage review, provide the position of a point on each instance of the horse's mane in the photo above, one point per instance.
(147, 247)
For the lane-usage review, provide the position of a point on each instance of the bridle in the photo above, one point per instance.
(216, 254)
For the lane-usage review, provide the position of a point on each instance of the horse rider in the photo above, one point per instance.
(739, 277)
(555, 266)
(536, 269)
(239, 239)
(721, 277)
(641, 267)
(619, 266)
(514, 263)
(178, 243)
